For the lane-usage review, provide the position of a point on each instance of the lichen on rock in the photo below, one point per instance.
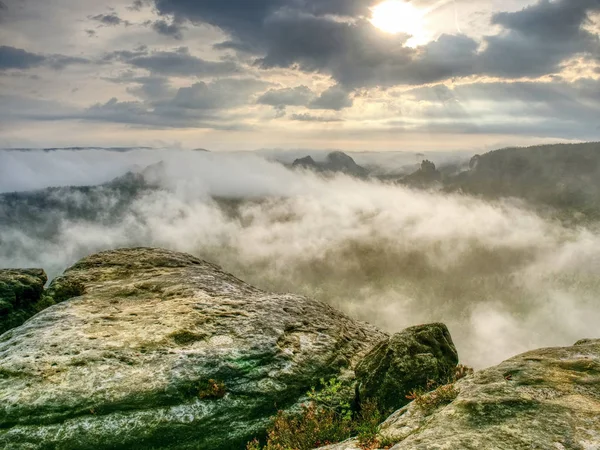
(543, 399)
(158, 349)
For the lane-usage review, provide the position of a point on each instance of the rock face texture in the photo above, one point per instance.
(20, 296)
(544, 399)
(405, 362)
(157, 349)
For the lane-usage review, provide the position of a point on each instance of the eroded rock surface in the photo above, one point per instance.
(162, 350)
(544, 399)
(20, 295)
(405, 362)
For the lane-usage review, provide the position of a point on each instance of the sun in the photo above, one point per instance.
(397, 16)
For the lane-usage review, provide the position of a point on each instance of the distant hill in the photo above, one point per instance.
(565, 177)
(335, 162)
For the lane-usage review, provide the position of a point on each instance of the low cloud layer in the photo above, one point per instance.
(504, 279)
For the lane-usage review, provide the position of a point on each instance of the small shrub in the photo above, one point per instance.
(333, 395)
(387, 442)
(429, 402)
(462, 371)
(367, 425)
(253, 445)
(212, 389)
(327, 419)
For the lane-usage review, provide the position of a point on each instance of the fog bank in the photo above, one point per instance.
(502, 278)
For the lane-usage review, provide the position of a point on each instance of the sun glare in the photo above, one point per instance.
(397, 16)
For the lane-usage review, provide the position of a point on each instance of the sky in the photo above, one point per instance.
(348, 74)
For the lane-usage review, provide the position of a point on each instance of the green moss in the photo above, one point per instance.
(64, 289)
(185, 337)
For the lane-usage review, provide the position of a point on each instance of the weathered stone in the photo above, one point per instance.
(544, 399)
(407, 361)
(20, 295)
(163, 350)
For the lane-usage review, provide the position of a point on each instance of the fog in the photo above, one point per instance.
(504, 279)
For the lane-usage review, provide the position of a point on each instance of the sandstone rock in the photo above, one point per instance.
(407, 361)
(544, 399)
(162, 350)
(20, 295)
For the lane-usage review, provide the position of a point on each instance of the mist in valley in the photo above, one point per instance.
(502, 277)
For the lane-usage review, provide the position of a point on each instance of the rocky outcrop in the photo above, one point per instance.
(306, 163)
(405, 362)
(157, 349)
(20, 296)
(544, 399)
(335, 162)
(426, 177)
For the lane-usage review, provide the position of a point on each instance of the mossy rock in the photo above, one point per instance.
(418, 357)
(21, 294)
(158, 349)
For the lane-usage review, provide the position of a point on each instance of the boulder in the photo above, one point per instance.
(20, 295)
(544, 399)
(407, 361)
(157, 349)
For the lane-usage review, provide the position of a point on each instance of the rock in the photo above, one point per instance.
(20, 296)
(307, 163)
(335, 162)
(405, 362)
(426, 177)
(341, 162)
(544, 399)
(163, 350)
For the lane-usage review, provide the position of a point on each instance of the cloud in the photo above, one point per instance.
(280, 98)
(16, 58)
(179, 62)
(335, 98)
(172, 29)
(558, 108)
(536, 40)
(201, 105)
(312, 118)
(109, 20)
(504, 279)
(137, 5)
(308, 35)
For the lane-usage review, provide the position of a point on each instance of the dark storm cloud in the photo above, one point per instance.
(301, 34)
(16, 58)
(109, 20)
(178, 62)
